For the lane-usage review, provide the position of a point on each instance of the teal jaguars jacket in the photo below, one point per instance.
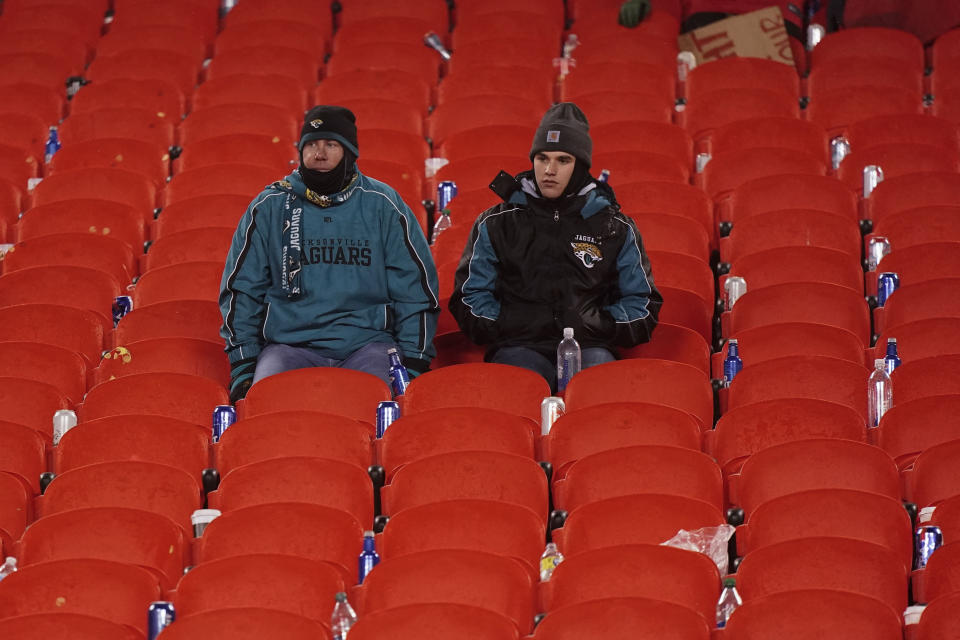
(332, 273)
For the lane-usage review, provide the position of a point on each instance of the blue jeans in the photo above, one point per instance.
(276, 358)
(538, 363)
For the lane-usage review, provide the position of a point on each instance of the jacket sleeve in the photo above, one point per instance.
(637, 309)
(243, 287)
(479, 312)
(412, 286)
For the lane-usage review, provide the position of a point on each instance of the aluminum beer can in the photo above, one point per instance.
(878, 247)
(122, 305)
(160, 615)
(927, 539)
(387, 412)
(872, 176)
(839, 149)
(734, 287)
(887, 283)
(551, 408)
(224, 415)
(446, 191)
(63, 421)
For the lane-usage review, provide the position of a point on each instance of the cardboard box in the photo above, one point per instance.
(758, 34)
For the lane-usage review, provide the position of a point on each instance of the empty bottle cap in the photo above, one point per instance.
(879, 364)
(341, 597)
(729, 582)
(368, 534)
(568, 332)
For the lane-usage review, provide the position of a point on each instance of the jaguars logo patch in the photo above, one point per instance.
(588, 253)
(316, 123)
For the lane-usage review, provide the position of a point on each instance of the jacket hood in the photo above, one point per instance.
(590, 200)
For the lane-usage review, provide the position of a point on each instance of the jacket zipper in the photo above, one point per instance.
(556, 215)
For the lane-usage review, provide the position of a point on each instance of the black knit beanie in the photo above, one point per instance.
(325, 122)
(564, 128)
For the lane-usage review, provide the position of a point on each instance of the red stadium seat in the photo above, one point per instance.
(248, 623)
(283, 434)
(193, 356)
(85, 215)
(745, 430)
(451, 621)
(267, 580)
(174, 395)
(787, 615)
(603, 427)
(659, 381)
(321, 481)
(455, 475)
(453, 429)
(156, 96)
(156, 439)
(497, 583)
(156, 488)
(641, 518)
(77, 330)
(65, 626)
(121, 534)
(353, 394)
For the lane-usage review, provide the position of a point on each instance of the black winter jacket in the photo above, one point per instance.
(534, 266)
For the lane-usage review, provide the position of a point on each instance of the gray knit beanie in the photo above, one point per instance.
(564, 128)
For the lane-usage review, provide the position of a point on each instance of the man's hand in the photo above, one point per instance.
(241, 377)
(632, 12)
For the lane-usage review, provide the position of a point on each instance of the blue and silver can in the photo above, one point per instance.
(122, 305)
(927, 539)
(387, 412)
(887, 283)
(399, 377)
(160, 615)
(224, 415)
(446, 191)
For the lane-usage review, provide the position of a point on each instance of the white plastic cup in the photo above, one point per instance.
(201, 518)
(911, 615)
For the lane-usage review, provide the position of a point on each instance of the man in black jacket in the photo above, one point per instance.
(556, 253)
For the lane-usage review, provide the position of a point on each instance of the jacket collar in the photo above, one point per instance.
(588, 200)
(293, 183)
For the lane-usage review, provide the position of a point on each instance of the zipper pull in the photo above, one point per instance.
(556, 215)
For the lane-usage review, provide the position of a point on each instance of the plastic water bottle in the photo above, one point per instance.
(549, 560)
(728, 602)
(442, 223)
(9, 566)
(343, 618)
(892, 359)
(879, 393)
(732, 364)
(369, 558)
(568, 359)
(53, 145)
(433, 41)
(399, 378)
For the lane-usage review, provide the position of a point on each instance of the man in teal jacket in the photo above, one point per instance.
(328, 267)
